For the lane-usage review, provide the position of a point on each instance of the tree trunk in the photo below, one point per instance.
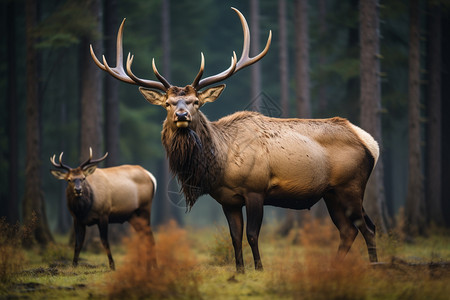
(445, 48)
(284, 68)
(165, 210)
(302, 83)
(12, 196)
(375, 200)
(254, 50)
(91, 133)
(112, 130)
(434, 125)
(33, 207)
(322, 91)
(64, 216)
(91, 92)
(415, 199)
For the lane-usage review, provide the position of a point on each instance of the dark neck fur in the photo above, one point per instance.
(192, 157)
(80, 206)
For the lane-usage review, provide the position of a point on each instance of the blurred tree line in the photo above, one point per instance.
(54, 98)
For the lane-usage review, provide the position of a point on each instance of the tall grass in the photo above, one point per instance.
(11, 254)
(221, 249)
(173, 277)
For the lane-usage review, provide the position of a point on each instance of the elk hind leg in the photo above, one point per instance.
(340, 216)
(367, 229)
(254, 205)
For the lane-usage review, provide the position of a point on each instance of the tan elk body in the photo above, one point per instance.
(250, 160)
(106, 195)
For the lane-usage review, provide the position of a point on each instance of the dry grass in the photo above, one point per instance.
(221, 249)
(292, 270)
(174, 277)
(316, 274)
(11, 254)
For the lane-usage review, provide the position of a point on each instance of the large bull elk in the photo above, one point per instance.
(247, 159)
(103, 196)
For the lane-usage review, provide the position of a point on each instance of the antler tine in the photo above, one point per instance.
(60, 165)
(96, 161)
(90, 161)
(219, 77)
(163, 85)
(244, 61)
(159, 76)
(200, 72)
(119, 72)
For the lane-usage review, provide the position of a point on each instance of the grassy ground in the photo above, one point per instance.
(199, 264)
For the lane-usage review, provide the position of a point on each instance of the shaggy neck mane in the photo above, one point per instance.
(192, 157)
(80, 205)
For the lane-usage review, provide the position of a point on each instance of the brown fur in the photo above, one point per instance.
(247, 159)
(192, 158)
(110, 195)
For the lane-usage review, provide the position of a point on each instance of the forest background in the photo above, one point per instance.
(54, 98)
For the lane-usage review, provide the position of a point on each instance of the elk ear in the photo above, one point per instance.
(89, 170)
(152, 96)
(211, 94)
(58, 174)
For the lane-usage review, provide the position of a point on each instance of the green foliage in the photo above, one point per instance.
(346, 68)
(145, 133)
(67, 25)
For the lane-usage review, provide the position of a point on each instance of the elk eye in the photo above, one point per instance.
(69, 180)
(196, 102)
(167, 104)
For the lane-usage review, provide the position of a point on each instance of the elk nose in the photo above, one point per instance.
(77, 190)
(181, 116)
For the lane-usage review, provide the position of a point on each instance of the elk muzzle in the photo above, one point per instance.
(77, 188)
(182, 119)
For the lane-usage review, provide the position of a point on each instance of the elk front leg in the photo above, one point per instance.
(103, 228)
(236, 224)
(80, 232)
(254, 204)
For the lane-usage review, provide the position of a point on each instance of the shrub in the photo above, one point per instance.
(173, 277)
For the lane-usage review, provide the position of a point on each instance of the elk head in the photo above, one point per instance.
(75, 177)
(181, 103)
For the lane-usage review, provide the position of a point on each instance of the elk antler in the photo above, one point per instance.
(60, 165)
(128, 77)
(243, 62)
(89, 161)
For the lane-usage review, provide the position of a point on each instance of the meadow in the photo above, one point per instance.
(199, 264)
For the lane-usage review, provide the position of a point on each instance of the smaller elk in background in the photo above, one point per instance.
(103, 196)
